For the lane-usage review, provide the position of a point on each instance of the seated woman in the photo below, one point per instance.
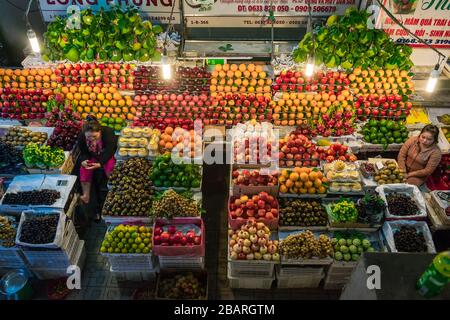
(420, 155)
(97, 145)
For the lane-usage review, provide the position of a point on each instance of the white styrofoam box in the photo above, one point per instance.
(131, 262)
(133, 276)
(248, 282)
(305, 281)
(182, 263)
(251, 268)
(298, 271)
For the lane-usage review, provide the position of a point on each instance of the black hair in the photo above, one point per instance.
(91, 124)
(433, 130)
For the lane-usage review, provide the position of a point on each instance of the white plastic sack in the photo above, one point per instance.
(407, 189)
(59, 236)
(390, 227)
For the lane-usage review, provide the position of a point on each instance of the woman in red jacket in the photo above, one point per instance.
(97, 145)
(420, 155)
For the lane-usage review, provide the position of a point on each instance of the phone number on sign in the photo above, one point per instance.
(257, 8)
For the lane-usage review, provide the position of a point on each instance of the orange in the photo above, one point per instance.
(308, 184)
(283, 189)
(243, 67)
(312, 190)
(303, 190)
(262, 75)
(304, 176)
(312, 175)
(218, 67)
(238, 74)
(113, 103)
(73, 89)
(289, 183)
(294, 176)
(246, 74)
(222, 74)
(214, 74)
(298, 184)
(317, 183)
(226, 67)
(254, 74)
(258, 68)
(106, 103)
(321, 189)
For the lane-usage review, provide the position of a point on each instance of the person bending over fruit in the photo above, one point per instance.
(419, 156)
(97, 145)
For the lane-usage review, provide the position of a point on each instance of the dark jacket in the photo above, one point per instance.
(109, 141)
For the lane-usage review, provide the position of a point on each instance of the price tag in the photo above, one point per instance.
(379, 165)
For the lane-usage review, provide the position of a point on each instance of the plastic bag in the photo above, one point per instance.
(390, 227)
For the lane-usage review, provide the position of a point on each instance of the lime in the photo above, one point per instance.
(103, 249)
(110, 250)
(73, 55)
(127, 235)
(138, 251)
(117, 250)
(120, 235)
(130, 241)
(113, 244)
(141, 246)
(134, 235)
(138, 240)
(124, 251)
(146, 250)
(106, 244)
(146, 240)
(120, 245)
(134, 246)
(124, 241)
(127, 246)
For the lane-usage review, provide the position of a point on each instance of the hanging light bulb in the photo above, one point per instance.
(34, 42)
(166, 67)
(309, 69)
(432, 80)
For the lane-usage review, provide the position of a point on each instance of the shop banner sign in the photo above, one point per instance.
(255, 13)
(153, 10)
(427, 19)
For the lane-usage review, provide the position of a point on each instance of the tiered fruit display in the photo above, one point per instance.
(128, 239)
(28, 78)
(409, 239)
(303, 213)
(384, 132)
(382, 107)
(166, 173)
(134, 142)
(343, 177)
(44, 197)
(254, 178)
(109, 106)
(171, 204)
(337, 44)
(20, 137)
(343, 211)
(302, 181)
(323, 113)
(257, 206)
(169, 109)
(114, 35)
(131, 193)
(194, 80)
(39, 229)
(67, 125)
(305, 245)
(38, 156)
(182, 286)
(11, 159)
(296, 81)
(389, 173)
(243, 78)
(24, 104)
(350, 247)
(297, 150)
(178, 235)
(382, 82)
(118, 75)
(7, 233)
(181, 142)
(252, 242)
(236, 108)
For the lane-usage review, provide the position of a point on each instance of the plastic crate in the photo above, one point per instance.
(237, 223)
(296, 271)
(181, 263)
(306, 281)
(131, 262)
(251, 268)
(201, 275)
(247, 282)
(11, 258)
(133, 276)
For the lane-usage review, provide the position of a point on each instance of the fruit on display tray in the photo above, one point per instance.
(341, 171)
(257, 206)
(24, 104)
(296, 81)
(382, 82)
(131, 192)
(171, 204)
(7, 233)
(242, 78)
(297, 150)
(445, 119)
(67, 128)
(135, 142)
(390, 173)
(302, 181)
(181, 142)
(384, 132)
(39, 229)
(126, 239)
(350, 248)
(166, 173)
(178, 235)
(347, 42)
(20, 137)
(10, 158)
(305, 245)
(409, 239)
(367, 169)
(446, 132)
(28, 79)
(33, 198)
(417, 115)
(118, 75)
(115, 35)
(148, 79)
(106, 103)
(304, 213)
(401, 204)
(254, 178)
(371, 208)
(182, 286)
(38, 156)
(382, 107)
(252, 242)
(344, 210)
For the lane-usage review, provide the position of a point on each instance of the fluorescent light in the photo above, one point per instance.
(33, 41)
(432, 80)
(309, 70)
(167, 71)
